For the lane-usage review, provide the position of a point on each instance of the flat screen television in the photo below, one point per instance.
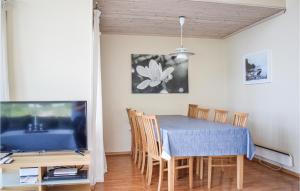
(42, 126)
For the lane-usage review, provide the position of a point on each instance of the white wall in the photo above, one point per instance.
(50, 49)
(206, 81)
(273, 107)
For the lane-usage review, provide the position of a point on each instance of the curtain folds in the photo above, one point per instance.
(98, 155)
(4, 84)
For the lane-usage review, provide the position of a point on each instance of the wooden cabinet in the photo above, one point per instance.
(9, 173)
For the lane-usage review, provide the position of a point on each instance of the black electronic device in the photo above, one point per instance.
(40, 126)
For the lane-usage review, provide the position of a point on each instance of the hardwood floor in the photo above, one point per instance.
(123, 175)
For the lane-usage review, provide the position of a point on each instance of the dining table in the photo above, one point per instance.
(183, 136)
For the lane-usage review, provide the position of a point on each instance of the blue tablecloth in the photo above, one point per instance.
(183, 136)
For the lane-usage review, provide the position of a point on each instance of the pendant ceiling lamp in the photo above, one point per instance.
(181, 53)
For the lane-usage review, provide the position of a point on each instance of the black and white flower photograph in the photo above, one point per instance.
(257, 67)
(158, 74)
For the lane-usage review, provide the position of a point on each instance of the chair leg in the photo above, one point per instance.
(176, 171)
(150, 164)
(209, 172)
(182, 171)
(201, 168)
(191, 171)
(132, 149)
(140, 159)
(161, 174)
(132, 153)
(143, 162)
(147, 169)
(197, 166)
(136, 152)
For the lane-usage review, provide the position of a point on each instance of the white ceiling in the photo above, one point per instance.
(204, 18)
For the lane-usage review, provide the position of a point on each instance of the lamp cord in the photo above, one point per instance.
(181, 36)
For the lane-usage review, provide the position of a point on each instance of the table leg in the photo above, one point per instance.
(201, 168)
(209, 172)
(240, 171)
(171, 175)
(190, 162)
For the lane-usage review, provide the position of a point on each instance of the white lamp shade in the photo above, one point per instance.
(182, 54)
(181, 57)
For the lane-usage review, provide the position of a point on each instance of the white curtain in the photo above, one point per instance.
(98, 155)
(4, 85)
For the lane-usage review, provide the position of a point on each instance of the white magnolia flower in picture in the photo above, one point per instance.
(154, 74)
(159, 74)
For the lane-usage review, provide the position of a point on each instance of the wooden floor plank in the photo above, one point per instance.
(125, 176)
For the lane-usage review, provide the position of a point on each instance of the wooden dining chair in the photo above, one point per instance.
(137, 138)
(192, 111)
(220, 116)
(144, 145)
(202, 113)
(132, 132)
(140, 141)
(154, 142)
(239, 120)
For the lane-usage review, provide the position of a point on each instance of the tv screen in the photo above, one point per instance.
(43, 126)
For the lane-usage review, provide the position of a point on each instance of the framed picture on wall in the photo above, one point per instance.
(158, 74)
(257, 67)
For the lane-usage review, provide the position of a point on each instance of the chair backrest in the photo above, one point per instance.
(153, 136)
(192, 111)
(240, 119)
(129, 117)
(220, 116)
(131, 126)
(128, 109)
(139, 118)
(136, 133)
(202, 113)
